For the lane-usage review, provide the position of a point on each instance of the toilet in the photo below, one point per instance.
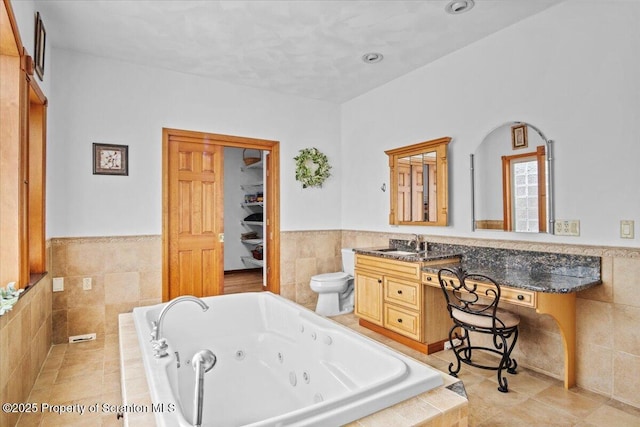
(335, 290)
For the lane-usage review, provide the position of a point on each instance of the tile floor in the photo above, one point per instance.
(89, 373)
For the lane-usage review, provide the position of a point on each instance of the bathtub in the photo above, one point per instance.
(278, 364)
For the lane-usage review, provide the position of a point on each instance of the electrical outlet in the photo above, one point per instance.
(86, 283)
(58, 284)
(567, 227)
(626, 229)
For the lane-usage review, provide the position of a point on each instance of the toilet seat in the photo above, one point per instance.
(331, 277)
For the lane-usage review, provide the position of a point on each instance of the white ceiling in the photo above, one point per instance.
(306, 48)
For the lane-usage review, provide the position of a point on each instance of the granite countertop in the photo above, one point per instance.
(408, 256)
(527, 279)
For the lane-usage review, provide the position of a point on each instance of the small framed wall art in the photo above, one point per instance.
(40, 44)
(110, 159)
(519, 136)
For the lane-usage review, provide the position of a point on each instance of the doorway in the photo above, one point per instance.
(193, 231)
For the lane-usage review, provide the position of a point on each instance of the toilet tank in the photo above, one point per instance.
(348, 260)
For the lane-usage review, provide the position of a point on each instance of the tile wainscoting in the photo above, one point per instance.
(126, 272)
(25, 340)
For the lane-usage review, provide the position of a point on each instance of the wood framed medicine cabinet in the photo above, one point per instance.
(419, 183)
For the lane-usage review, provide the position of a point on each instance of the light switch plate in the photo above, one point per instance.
(86, 283)
(626, 229)
(58, 284)
(567, 227)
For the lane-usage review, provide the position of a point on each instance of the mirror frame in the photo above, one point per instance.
(549, 165)
(439, 146)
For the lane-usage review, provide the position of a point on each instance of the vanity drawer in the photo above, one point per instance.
(403, 321)
(430, 279)
(518, 296)
(508, 295)
(402, 292)
(391, 267)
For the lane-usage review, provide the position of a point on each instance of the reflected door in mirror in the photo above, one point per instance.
(419, 183)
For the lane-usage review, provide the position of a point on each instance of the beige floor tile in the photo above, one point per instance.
(29, 420)
(607, 415)
(568, 401)
(75, 390)
(69, 373)
(524, 382)
(530, 413)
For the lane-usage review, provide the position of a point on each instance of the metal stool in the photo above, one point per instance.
(474, 308)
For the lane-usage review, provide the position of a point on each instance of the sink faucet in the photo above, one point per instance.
(415, 243)
(160, 344)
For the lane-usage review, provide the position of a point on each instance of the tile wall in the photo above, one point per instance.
(126, 272)
(25, 340)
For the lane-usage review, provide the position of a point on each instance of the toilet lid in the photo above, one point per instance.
(327, 277)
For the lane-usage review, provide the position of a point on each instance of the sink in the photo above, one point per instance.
(401, 253)
(392, 251)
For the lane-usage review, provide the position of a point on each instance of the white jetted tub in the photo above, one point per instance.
(278, 364)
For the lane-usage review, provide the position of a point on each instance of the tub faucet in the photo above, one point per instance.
(160, 344)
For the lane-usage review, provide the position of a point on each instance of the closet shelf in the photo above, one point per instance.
(251, 260)
(257, 165)
(252, 204)
(251, 186)
(252, 223)
(253, 241)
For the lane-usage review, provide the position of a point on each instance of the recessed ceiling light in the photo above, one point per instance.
(459, 6)
(372, 57)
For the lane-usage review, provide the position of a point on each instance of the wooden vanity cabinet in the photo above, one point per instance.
(391, 299)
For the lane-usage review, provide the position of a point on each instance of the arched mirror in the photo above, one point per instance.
(512, 180)
(419, 193)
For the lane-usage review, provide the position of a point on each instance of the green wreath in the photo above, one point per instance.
(312, 167)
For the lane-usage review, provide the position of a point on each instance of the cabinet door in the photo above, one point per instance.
(368, 288)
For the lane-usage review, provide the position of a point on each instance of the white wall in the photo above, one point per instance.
(571, 70)
(101, 100)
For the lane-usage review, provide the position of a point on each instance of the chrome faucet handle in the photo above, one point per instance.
(160, 348)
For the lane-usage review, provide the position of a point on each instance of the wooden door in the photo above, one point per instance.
(195, 217)
(193, 206)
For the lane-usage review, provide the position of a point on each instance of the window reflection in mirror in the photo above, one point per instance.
(511, 186)
(419, 183)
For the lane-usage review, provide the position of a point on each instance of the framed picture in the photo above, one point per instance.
(110, 159)
(519, 136)
(41, 41)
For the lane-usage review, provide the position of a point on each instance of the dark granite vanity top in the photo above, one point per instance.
(525, 279)
(535, 271)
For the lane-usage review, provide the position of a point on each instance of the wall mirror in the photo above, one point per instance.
(419, 189)
(512, 180)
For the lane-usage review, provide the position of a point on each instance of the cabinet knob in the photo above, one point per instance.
(520, 297)
(428, 278)
(379, 280)
(399, 292)
(399, 320)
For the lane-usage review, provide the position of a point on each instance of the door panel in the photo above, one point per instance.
(195, 218)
